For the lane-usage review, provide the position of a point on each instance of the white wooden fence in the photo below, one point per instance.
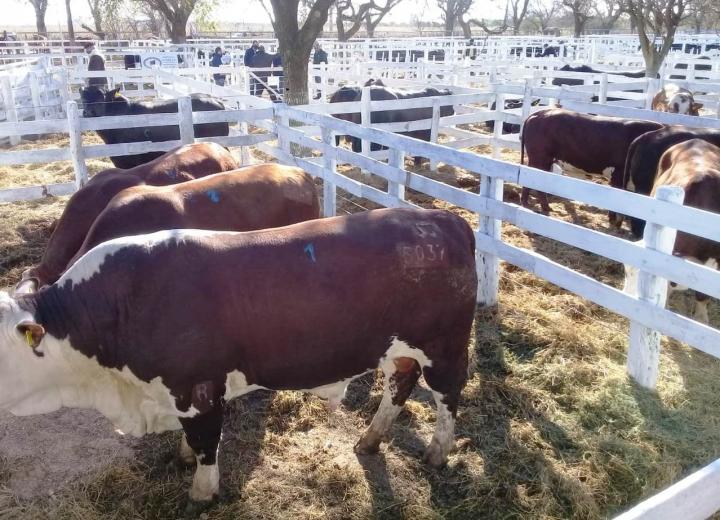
(315, 130)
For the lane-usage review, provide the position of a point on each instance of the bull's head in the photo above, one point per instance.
(24, 370)
(683, 103)
(93, 100)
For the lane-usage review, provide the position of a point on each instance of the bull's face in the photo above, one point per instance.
(93, 100)
(24, 369)
(683, 103)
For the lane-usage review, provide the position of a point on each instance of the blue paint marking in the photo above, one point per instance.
(310, 252)
(173, 174)
(214, 196)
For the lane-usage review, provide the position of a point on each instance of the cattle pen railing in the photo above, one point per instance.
(295, 130)
(646, 313)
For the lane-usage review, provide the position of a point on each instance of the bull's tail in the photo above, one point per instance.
(522, 141)
(629, 159)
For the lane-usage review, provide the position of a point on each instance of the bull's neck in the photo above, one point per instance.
(65, 315)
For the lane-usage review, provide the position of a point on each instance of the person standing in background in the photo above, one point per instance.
(248, 60)
(319, 56)
(216, 61)
(95, 62)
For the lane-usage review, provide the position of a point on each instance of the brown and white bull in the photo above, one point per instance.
(202, 317)
(591, 143)
(255, 197)
(676, 100)
(178, 165)
(693, 165)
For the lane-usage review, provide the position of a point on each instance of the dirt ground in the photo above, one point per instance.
(549, 425)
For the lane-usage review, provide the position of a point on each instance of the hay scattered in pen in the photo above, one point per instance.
(550, 426)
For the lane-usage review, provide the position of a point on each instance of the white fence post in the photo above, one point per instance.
(602, 98)
(244, 150)
(365, 118)
(396, 160)
(187, 133)
(644, 350)
(652, 88)
(35, 95)
(330, 168)
(499, 120)
(488, 266)
(10, 108)
(435, 128)
(76, 150)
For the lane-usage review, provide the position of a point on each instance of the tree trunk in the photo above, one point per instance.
(467, 31)
(369, 27)
(579, 26)
(295, 69)
(449, 24)
(40, 22)
(177, 28)
(70, 28)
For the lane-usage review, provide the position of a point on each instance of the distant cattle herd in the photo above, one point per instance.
(177, 281)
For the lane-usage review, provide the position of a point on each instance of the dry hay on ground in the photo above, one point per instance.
(549, 425)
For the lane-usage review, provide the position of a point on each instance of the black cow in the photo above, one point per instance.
(589, 70)
(98, 102)
(644, 156)
(379, 92)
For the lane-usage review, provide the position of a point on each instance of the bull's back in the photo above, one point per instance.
(304, 297)
(186, 163)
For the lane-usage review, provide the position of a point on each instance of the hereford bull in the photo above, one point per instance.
(181, 164)
(206, 316)
(676, 100)
(591, 143)
(255, 197)
(693, 165)
(98, 102)
(643, 158)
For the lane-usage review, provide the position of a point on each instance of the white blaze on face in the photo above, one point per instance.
(679, 103)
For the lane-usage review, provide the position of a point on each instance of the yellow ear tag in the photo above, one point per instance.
(29, 338)
(117, 94)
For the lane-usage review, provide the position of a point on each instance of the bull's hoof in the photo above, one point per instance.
(435, 456)
(368, 444)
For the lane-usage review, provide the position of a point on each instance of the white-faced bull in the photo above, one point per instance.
(205, 316)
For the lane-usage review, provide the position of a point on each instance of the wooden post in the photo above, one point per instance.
(652, 88)
(244, 150)
(35, 95)
(499, 120)
(10, 108)
(644, 351)
(330, 168)
(602, 98)
(187, 133)
(396, 160)
(76, 149)
(488, 266)
(435, 128)
(365, 118)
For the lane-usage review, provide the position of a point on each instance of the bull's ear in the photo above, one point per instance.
(33, 334)
(113, 94)
(696, 106)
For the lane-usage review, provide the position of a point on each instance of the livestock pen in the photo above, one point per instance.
(550, 426)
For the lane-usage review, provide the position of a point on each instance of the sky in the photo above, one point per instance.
(22, 13)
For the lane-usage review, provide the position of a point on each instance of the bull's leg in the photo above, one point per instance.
(701, 308)
(203, 436)
(544, 202)
(185, 452)
(401, 375)
(446, 379)
(524, 196)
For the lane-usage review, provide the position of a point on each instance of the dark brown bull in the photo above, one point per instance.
(255, 197)
(202, 317)
(591, 143)
(181, 164)
(643, 158)
(693, 165)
